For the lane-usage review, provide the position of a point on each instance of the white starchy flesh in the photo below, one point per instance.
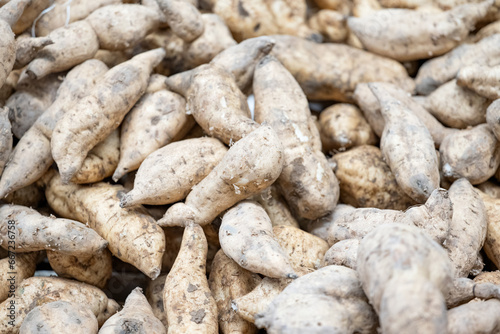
(439, 70)
(329, 300)
(71, 318)
(34, 232)
(12, 274)
(407, 147)
(155, 121)
(406, 35)
(396, 260)
(475, 317)
(35, 143)
(168, 174)
(183, 18)
(307, 183)
(456, 106)
(136, 316)
(481, 79)
(37, 291)
(87, 123)
(472, 153)
(493, 117)
(132, 233)
(277, 209)
(343, 253)
(6, 139)
(188, 302)
(250, 166)
(246, 236)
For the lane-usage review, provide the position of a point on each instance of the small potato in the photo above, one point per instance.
(367, 181)
(343, 253)
(343, 126)
(481, 79)
(183, 18)
(60, 317)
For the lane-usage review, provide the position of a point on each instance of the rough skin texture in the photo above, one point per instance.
(343, 253)
(278, 211)
(28, 47)
(6, 139)
(183, 18)
(187, 299)
(250, 166)
(476, 317)
(493, 117)
(24, 267)
(154, 294)
(481, 79)
(7, 51)
(331, 24)
(492, 241)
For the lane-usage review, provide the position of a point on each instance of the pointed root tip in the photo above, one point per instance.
(153, 274)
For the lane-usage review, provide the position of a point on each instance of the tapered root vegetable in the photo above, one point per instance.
(475, 317)
(250, 166)
(367, 181)
(471, 153)
(307, 182)
(15, 268)
(37, 291)
(136, 315)
(6, 139)
(30, 13)
(320, 227)
(132, 234)
(183, 18)
(329, 300)
(405, 35)
(331, 71)
(122, 26)
(493, 117)
(27, 49)
(407, 147)
(87, 123)
(464, 290)
(72, 45)
(481, 79)
(111, 308)
(34, 146)
(227, 282)
(246, 236)
(168, 174)
(34, 232)
(154, 294)
(94, 269)
(71, 318)
(155, 121)
(276, 208)
(343, 253)
(396, 260)
(188, 302)
(439, 70)
(492, 243)
(331, 24)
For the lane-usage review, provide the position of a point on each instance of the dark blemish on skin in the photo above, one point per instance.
(241, 10)
(197, 316)
(192, 288)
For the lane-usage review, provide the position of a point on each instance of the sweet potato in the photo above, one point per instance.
(34, 232)
(409, 142)
(250, 166)
(475, 318)
(464, 290)
(395, 260)
(29, 14)
(486, 31)
(168, 174)
(362, 8)
(28, 47)
(276, 208)
(8, 87)
(488, 277)
(229, 281)
(183, 18)
(132, 234)
(493, 117)
(331, 71)
(187, 299)
(307, 182)
(34, 146)
(481, 79)
(72, 45)
(331, 24)
(315, 303)
(320, 227)
(439, 70)
(30, 196)
(122, 26)
(343, 253)
(154, 294)
(71, 318)
(87, 124)
(111, 308)
(491, 242)
(406, 35)
(14, 269)
(471, 153)
(6, 140)
(246, 237)
(136, 315)
(343, 6)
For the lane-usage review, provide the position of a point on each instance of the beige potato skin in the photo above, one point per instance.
(493, 117)
(367, 181)
(183, 18)
(389, 266)
(329, 300)
(331, 71)
(475, 317)
(155, 120)
(229, 281)
(187, 299)
(154, 294)
(86, 124)
(132, 234)
(246, 236)
(72, 45)
(29, 11)
(111, 308)
(481, 79)
(24, 266)
(472, 153)
(29, 196)
(35, 232)
(408, 148)
(136, 316)
(7, 44)
(276, 208)
(491, 242)
(122, 26)
(343, 6)
(457, 107)
(331, 24)
(439, 70)
(37, 291)
(60, 317)
(232, 180)
(32, 156)
(343, 126)
(343, 253)
(307, 183)
(407, 35)
(27, 48)
(94, 269)
(168, 174)
(320, 227)
(6, 140)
